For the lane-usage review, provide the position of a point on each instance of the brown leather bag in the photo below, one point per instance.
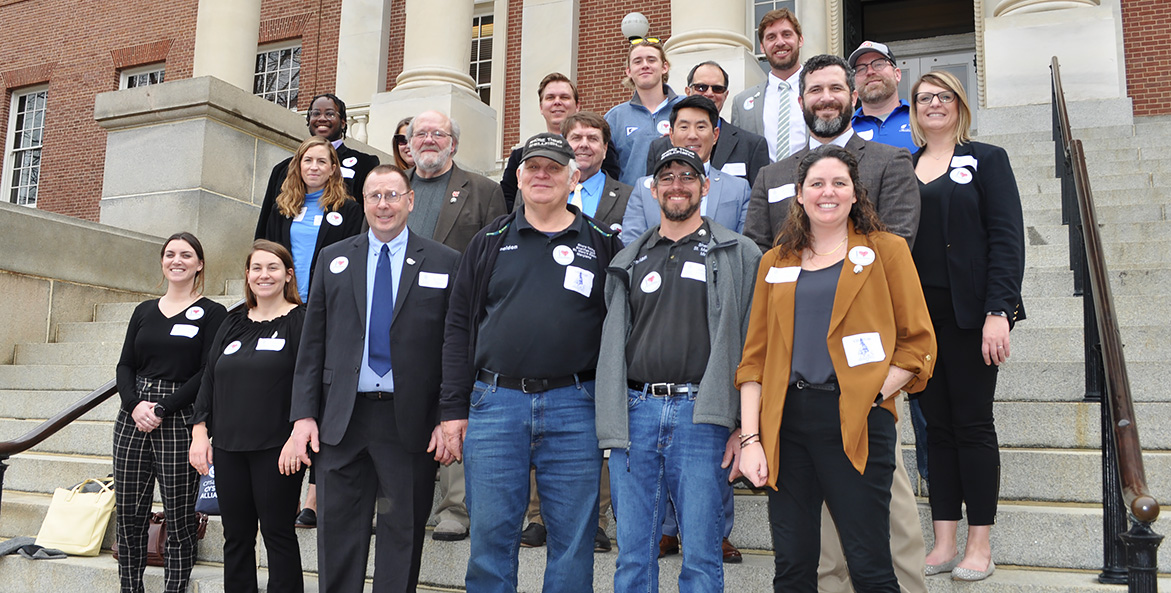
(156, 539)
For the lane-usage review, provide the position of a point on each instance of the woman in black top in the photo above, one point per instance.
(970, 254)
(158, 376)
(244, 403)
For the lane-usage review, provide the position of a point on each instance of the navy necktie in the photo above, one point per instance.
(381, 311)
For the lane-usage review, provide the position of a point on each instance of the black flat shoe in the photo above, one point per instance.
(307, 519)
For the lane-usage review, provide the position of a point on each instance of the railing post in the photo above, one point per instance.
(1142, 548)
(3, 467)
(1113, 508)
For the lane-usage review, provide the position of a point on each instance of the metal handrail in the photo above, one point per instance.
(50, 427)
(1124, 484)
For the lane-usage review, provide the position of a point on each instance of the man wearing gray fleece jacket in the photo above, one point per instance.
(677, 301)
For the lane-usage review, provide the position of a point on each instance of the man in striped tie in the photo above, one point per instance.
(770, 108)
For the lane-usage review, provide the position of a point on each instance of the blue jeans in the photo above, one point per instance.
(554, 431)
(669, 455)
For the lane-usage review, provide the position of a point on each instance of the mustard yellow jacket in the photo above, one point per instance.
(883, 297)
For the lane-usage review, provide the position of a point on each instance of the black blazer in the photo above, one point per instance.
(330, 357)
(736, 145)
(985, 235)
(361, 167)
(353, 217)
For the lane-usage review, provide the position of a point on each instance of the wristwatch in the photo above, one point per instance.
(160, 410)
(999, 314)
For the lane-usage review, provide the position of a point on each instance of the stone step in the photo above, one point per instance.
(234, 288)
(1058, 281)
(80, 437)
(92, 331)
(1115, 232)
(1128, 253)
(1040, 344)
(55, 377)
(1074, 424)
(1134, 182)
(1103, 198)
(1065, 381)
(1041, 158)
(46, 404)
(1067, 311)
(45, 472)
(1099, 143)
(122, 311)
(95, 353)
(1051, 215)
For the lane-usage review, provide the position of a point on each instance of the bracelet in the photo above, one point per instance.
(752, 442)
(745, 437)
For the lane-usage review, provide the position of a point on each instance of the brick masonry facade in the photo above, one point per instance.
(1145, 24)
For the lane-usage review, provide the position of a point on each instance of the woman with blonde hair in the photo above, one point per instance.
(970, 255)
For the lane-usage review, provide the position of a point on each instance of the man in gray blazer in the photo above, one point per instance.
(770, 108)
(693, 126)
(366, 391)
(827, 100)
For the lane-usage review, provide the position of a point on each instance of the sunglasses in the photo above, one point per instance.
(642, 40)
(400, 139)
(718, 89)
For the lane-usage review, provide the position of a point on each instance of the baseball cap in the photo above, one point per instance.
(868, 46)
(682, 155)
(550, 146)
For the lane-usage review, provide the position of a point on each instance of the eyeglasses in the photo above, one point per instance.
(400, 139)
(327, 114)
(879, 65)
(718, 89)
(391, 197)
(642, 40)
(670, 178)
(438, 135)
(926, 98)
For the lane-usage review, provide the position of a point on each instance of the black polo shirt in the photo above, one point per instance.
(669, 339)
(544, 308)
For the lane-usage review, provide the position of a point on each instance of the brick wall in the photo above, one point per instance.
(1148, 63)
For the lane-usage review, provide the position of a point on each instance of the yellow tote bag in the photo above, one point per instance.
(76, 521)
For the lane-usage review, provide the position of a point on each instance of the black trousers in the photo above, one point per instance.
(814, 468)
(370, 471)
(252, 489)
(963, 458)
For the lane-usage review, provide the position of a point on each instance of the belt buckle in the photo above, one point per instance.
(662, 389)
(538, 385)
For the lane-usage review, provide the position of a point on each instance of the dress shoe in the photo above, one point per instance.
(960, 573)
(602, 541)
(932, 569)
(533, 536)
(307, 518)
(731, 554)
(668, 545)
(449, 530)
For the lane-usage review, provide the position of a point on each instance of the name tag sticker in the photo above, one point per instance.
(863, 348)
(273, 344)
(579, 280)
(737, 169)
(866, 134)
(777, 194)
(694, 270)
(300, 215)
(347, 172)
(317, 220)
(184, 329)
(965, 160)
(432, 280)
(782, 275)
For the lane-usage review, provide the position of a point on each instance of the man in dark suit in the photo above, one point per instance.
(827, 99)
(598, 194)
(368, 407)
(738, 152)
(326, 118)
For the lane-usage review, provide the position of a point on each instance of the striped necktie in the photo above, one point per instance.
(783, 121)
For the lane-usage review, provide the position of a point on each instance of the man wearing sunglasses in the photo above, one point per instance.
(883, 117)
(738, 151)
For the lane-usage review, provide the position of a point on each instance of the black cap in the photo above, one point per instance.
(550, 146)
(682, 155)
(871, 46)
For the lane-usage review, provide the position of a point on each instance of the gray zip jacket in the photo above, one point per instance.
(732, 262)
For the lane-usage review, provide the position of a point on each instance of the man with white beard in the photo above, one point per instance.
(883, 117)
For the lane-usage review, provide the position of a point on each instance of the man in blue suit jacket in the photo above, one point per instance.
(694, 126)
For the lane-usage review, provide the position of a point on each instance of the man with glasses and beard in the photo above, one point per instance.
(883, 117)
(827, 94)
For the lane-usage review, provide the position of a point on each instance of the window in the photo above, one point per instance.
(756, 11)
(481, 62)
(278, 75)
(26, 126)
(142, 76)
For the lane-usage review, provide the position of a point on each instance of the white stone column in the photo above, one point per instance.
(362, 48)
(1021, 36)
(703, 30)
(226, 33)
(435, 76)
(550, 25)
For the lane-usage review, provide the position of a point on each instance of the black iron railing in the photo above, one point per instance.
(1129, 554)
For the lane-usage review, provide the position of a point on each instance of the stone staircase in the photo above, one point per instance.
(1048, 533)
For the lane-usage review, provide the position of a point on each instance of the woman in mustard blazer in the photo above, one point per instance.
(838, 326)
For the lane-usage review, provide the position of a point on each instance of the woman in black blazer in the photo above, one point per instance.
(970, 254)
(313, 209)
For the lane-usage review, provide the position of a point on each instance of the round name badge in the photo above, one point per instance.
(232, 348)
(647, 182)
(961, 176)
(350, 161)
(651, 282)
(862, 256)
(749, 103)
(334, 218)
(563, 255)
(616, 227)
(194, 313)
(664, 127)
(339, 264)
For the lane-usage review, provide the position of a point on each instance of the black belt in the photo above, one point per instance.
(831, 386)
(377, 395)
(528, 385)
(662, 389)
